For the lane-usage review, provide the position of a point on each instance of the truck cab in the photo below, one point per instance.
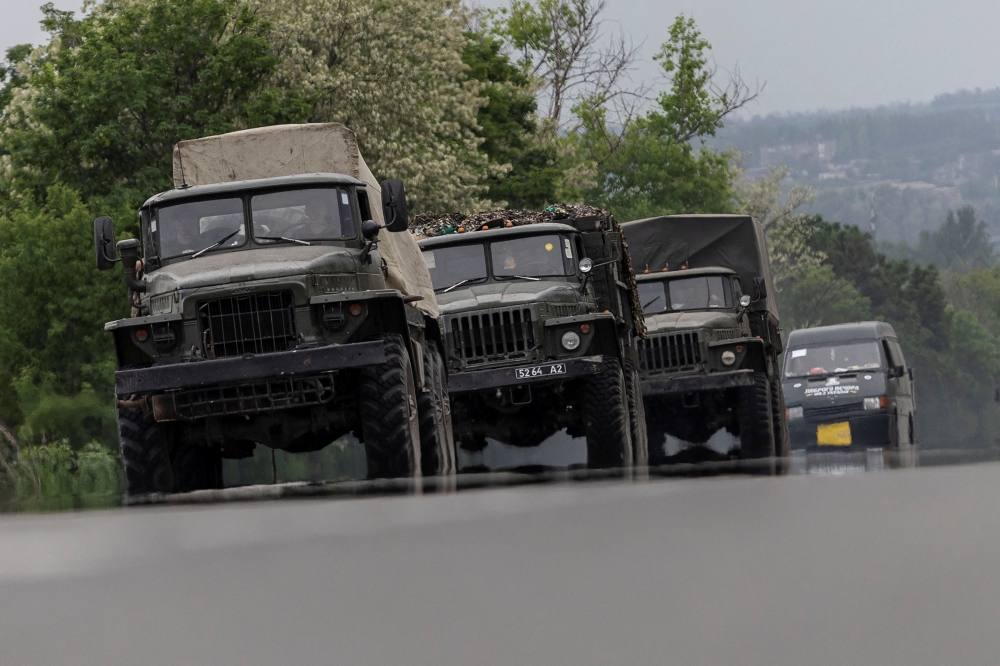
(538, 327)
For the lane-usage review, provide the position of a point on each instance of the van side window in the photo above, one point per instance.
(889, 358)
(897, 353)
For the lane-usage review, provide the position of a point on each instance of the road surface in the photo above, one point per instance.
(899, 567)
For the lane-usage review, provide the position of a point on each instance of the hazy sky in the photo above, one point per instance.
(812, 55)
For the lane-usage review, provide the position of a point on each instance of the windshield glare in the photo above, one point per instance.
(191, 227)
(453, 264)
(310, 214)
(533, 256)
(826, 359)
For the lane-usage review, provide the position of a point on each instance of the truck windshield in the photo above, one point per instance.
(306, 214)
(190, 227)
(696, 293)
(453, 265)
(532, 256)
(828, 359)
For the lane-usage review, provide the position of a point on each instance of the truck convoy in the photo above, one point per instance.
(539, 313)
(710, 357)
(276, 302)
(848, 387)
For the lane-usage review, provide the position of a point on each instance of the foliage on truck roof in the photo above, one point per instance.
(429, 225)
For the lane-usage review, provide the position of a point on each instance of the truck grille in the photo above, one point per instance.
(265, 396)
(252, 324)
(499, 334)
(677, 351)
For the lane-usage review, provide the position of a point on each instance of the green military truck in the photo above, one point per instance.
(710, 359)
(540, 313)
(276, 304)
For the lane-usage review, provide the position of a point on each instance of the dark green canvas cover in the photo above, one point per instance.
(703, 241)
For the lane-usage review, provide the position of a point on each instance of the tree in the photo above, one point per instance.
(652, 167)
(117, 89)
(53, 302)
(820, 298)
(509, 128)
(961, 244)
(392, 72)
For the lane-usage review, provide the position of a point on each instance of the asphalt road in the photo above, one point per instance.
(898, 567)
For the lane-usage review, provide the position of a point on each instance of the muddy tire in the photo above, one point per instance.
(637, 415)
(155, 461)
(389, 421)
(606, 417)
(782, 440)
(437, 441)
(756, 419)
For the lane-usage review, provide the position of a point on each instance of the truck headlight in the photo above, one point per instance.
(570, 340)
(728, 357)
(793, 413)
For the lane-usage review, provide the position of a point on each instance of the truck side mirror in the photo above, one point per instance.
(394, 205)
(759, 288)
(104, 243)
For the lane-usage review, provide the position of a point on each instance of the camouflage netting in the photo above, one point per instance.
(428, 225)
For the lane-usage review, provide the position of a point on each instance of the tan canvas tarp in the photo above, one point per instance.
(288, 150)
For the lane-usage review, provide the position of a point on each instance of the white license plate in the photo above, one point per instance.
(540, 371)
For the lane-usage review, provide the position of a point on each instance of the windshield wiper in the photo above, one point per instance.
(517, 277)
(651, 302)
(456, 285)
(283, 238)
(216, 244)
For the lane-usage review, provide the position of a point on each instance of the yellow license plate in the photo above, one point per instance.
(834, 434)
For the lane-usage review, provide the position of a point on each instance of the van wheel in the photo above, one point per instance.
(637, 415)
(437, 441)
(756, 419)
(156, 461)
(605, 417)
(782, 442)
(389, 422)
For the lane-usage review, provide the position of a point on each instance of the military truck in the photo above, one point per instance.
(539, 313)
(276, 301)
(710, 359)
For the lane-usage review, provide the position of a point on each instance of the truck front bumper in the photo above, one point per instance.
(715, 381)
(478, 380)
(248, 368)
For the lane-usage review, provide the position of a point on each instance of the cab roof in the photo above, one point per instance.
(493, 234)
(861, 330)
(684, 273)
(236, 187)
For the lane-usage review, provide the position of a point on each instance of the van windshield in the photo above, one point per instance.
(830, 359)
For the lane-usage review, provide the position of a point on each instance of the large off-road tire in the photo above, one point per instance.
(155, 460)
(782, 440)
(389, 421)
(756, 419)
(637, 415)
(437, 441)
(605, 417)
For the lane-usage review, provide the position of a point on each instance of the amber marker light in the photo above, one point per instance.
(355, 309)
(141, 335)
(585, 328)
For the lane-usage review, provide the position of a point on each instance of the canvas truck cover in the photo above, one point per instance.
(288, 150)
(703, 241)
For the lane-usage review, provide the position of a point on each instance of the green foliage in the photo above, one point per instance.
(509, 127)
(53, 302)
(961, 244)
(74, 419)
(820, 298)
(117, 89)
(653, 168)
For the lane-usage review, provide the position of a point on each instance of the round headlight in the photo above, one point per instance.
(586, 265)
(570, 340)
(728, 358)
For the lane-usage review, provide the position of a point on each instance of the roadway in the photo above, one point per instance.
(897, 567)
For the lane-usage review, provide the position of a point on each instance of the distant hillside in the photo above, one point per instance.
(915, 161)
